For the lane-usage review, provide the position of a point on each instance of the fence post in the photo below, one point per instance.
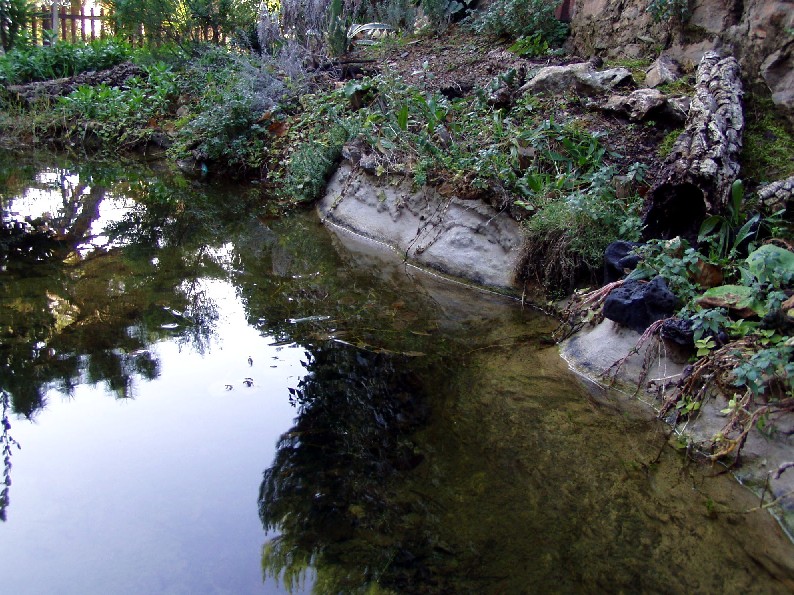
(73, 28)
(54, 21)
(64, 32)
(33, 22)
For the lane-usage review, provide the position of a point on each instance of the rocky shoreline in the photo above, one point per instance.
(475, 243)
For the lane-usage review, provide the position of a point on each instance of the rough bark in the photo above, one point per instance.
(32, 92)
(778, 196)
(697, 175)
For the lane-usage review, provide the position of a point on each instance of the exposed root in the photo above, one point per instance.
(711, 371)
(548, 261)
(584, 308)
(713, 374)
(744, 420)
(651, 333)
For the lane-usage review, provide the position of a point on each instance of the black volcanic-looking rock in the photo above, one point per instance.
(637, 304)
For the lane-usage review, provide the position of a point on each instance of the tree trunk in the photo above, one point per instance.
(698, 173)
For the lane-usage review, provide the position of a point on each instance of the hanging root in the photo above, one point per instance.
(651, 333)
(713, 374)
(584, 308)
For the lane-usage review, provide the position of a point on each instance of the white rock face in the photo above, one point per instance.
(581, 77)
(466, 239)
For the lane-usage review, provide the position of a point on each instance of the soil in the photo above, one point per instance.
(457, 63)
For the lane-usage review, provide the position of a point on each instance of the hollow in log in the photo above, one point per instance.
(697, 175)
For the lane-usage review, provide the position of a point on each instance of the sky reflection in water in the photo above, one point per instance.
(155, 494)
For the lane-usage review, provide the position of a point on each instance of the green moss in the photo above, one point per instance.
(683, 86)
(664, 148)
(768, 141)
(637, 66)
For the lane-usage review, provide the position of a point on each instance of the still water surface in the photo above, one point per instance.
(209, 402)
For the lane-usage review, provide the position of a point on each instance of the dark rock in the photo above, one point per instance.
(637, 304)
(456, 90)
(618, 259)
(679, 338)
(352, 152)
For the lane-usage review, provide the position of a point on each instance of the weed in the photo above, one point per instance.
(664, 148)
(768, 141)
(520, 18)
(682, 86)
(637, 66)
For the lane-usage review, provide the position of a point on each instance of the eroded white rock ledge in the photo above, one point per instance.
(462, 238)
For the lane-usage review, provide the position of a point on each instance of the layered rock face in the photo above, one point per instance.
(756, 32)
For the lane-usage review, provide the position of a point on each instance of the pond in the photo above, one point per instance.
(198, 398)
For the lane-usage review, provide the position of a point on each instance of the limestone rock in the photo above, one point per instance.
(663, 70)
(462, 238)
(649, 104)
(677, 108)
(757, 32)
(638, 105)
(778, 74)
(580, 77)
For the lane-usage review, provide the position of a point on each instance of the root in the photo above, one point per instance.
(584, 308)
(651, 333)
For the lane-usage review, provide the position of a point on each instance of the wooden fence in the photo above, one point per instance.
(96, 24)
(72, 27)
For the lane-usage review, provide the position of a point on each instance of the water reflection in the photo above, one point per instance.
(99, 262)
(330, 489)
(438, 448)
(132, 251)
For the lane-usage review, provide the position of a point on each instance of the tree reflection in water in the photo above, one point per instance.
(84, 296)
(335, 493)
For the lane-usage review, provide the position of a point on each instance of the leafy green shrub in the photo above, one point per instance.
(400, 14)
(182, 21)
(41, 63)
(14, 17)
(441, 12)
(121, 117)
(675, 260)
(530, 46)
(233, 93)
(567, 235)
(520, 18)
(312, 163)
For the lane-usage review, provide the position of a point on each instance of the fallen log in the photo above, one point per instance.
(30, 93)
(778, 196)
(696, 177)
